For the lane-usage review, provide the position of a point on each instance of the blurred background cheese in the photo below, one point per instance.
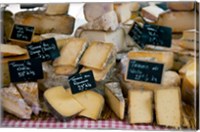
(181, 6)
(57, 9)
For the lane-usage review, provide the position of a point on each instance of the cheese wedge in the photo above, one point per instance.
(97, 55)
(178, 21)
(116, 37)
(56, 24)
(11, 50)
(181, 6)
(106, 22)
(13, 103)
(140, 106)
(123, 12)
(168, 107)
(65, 70)
(115, 99)
(71, 52)
(57, 9)
(30, 93)
(92, 102)
(93, 11)
(155, 56)
(61, 103)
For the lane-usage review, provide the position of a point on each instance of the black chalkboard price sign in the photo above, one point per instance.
(45, 50)
(145, 71)
(81, 82)
(22, 33)
(25, 70)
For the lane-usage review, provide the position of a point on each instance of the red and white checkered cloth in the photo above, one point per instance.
(78, 123)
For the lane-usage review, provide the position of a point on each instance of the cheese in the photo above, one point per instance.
(36, 38)
(140, 106)
(7, 24)
(181, 6)
(57, 9)
(167, 58)
(151, 12)
(8, 50)
(116, 37)
(191, 34)
(71, 52)
(92, 102)
(93, 11)
(134, 6)
(13, 103)
(168, 107)
(106, 22)
(56, 24)
(65, 70)
(30, 93)
(123, 12)
(96, 55)
(115, 99)
(61, 103)
(178, 21)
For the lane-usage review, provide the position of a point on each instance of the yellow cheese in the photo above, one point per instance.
(11, 50)
(57, 9)
(168, 107)
(181, 6)
(140, 106)
(65, 70)
(92, 102)
(115, 99)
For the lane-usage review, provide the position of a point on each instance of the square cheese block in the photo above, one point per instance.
(92, 102)
(123, 11)
(167, 58)
(140, 106)
(97, 55)
(57, 9)
(71, 52)
(13, 103)
(168, 107)
(8, 50)
(65, 70)
(61, 103)
(93, 11)
(115, 99)
(181, 6)
(117, 37)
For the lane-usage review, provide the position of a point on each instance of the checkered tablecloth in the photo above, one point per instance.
(79, 123)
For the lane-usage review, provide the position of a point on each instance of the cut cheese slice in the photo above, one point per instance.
(11, 50)
(71, 52)
(155, 56)
(140, 106)
(168, 107)
(181, 6)
(92, 102)
(13, 103)
(97, 55)
(30, 93)
(57, 9)
(61, 103)
(115, 99)
(65, 70)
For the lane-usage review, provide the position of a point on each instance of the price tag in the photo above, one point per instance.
(81, 82)
(145, 71)
(25, 70)
(45, 50)
(22, 33)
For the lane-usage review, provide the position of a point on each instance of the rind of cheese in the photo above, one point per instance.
(92, 102)
(168, 107)
(123, 12)
(140, 106)
(155, 56)
(65, 70)
(181, 6)
(71, 52)
(61, 103)
(46, 23)
(57, 9)
(115, 99)
(13, 103)
(8, 50)
(97, 55)
(93, 11)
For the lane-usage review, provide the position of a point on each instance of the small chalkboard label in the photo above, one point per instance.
(157, 35)
(45, 50)
(22, 33)
(81, 82)
(145, 71)
(136, 34)
(25, 70)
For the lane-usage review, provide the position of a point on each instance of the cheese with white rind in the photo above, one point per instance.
(57, 9)
(61, 103)
(8, 50)
(115, 99)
